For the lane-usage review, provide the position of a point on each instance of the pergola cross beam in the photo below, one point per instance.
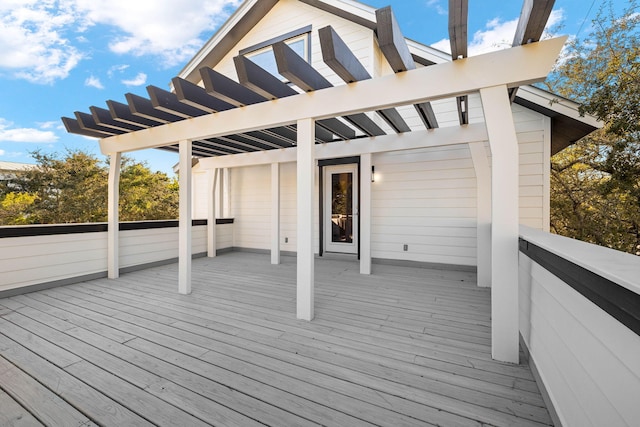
(528, 64)
(394, 47)
(458, 29)
(337, 55)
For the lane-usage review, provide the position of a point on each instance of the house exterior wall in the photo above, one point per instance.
(423, 198)
(289, 15)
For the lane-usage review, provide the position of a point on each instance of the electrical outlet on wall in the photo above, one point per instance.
(286, 240)
(405, 247)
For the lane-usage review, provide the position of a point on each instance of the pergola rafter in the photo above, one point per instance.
(394, 47)
(461, 77)
(533, 19)
(458, 17)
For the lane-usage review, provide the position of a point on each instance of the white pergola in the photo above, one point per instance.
(494, 76)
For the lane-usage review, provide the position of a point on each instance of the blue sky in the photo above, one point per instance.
(61, 56)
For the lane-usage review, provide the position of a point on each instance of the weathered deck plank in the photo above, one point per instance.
(404, 346)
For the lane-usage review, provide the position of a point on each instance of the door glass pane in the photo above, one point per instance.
(342, 207)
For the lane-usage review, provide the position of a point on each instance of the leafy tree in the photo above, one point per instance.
(73, 189)
(596, 183)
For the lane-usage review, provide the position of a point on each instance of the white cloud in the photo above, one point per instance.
(116, 69)
(497, 35)
(93, 81)
(8, 133)
(138, 80)
(167, 28)
(437, 5)
(2, 152)
(36, 35)
(48, 125)
(32, 40)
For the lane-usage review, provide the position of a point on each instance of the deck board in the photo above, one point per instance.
(403, 346)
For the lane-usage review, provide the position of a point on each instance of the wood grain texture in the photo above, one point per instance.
(404, 346)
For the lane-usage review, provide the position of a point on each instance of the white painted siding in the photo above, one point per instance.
(32, 260)
(36, 259)
(587, 360)
(251, 206)
(426, 200)
(289, 15)
(423, 198)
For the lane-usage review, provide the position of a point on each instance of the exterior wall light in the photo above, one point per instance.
(373, 174)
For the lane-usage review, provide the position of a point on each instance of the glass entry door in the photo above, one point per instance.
(341, 209)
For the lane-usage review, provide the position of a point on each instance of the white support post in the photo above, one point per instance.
(226, 194)
(504, 219)
(365, 213)
(305, 191)
(275, 213)
(483, 207)
(211, 214)
(113, 221)
(184, 230)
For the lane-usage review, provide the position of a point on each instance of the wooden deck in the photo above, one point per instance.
(402, 347)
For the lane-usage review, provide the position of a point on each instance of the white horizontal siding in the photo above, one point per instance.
(251, 201)
(26, 261)
(587, 360)
(289, 15)
(36, 259)
(425, 199)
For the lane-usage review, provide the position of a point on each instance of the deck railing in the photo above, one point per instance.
(580, 322)
(40, 256)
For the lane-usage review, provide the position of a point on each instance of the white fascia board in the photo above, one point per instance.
(556, 103)
(427, 52)
(222, 32)
(511, 67)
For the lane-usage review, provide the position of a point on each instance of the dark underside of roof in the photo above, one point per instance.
(564, 130)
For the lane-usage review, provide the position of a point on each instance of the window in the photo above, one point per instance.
(262, 54)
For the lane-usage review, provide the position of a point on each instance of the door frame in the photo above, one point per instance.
(335, 162)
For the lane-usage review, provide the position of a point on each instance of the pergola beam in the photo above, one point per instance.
(142, 107)
(266, 84)
(72, 126)
(168, 102)
(86, 121)
(222, 87)
(530, 63)
(533, 19)
(458, 17)
(195, 96)
(337, 55)
(303, 75)
(394, 48)
(458, 13)
(103, 118)
(121, 113)
(261, 81)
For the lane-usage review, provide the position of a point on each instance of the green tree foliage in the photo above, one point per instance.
(595, 184)
(73, 189)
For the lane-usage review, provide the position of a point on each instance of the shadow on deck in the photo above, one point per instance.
(402, 347)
